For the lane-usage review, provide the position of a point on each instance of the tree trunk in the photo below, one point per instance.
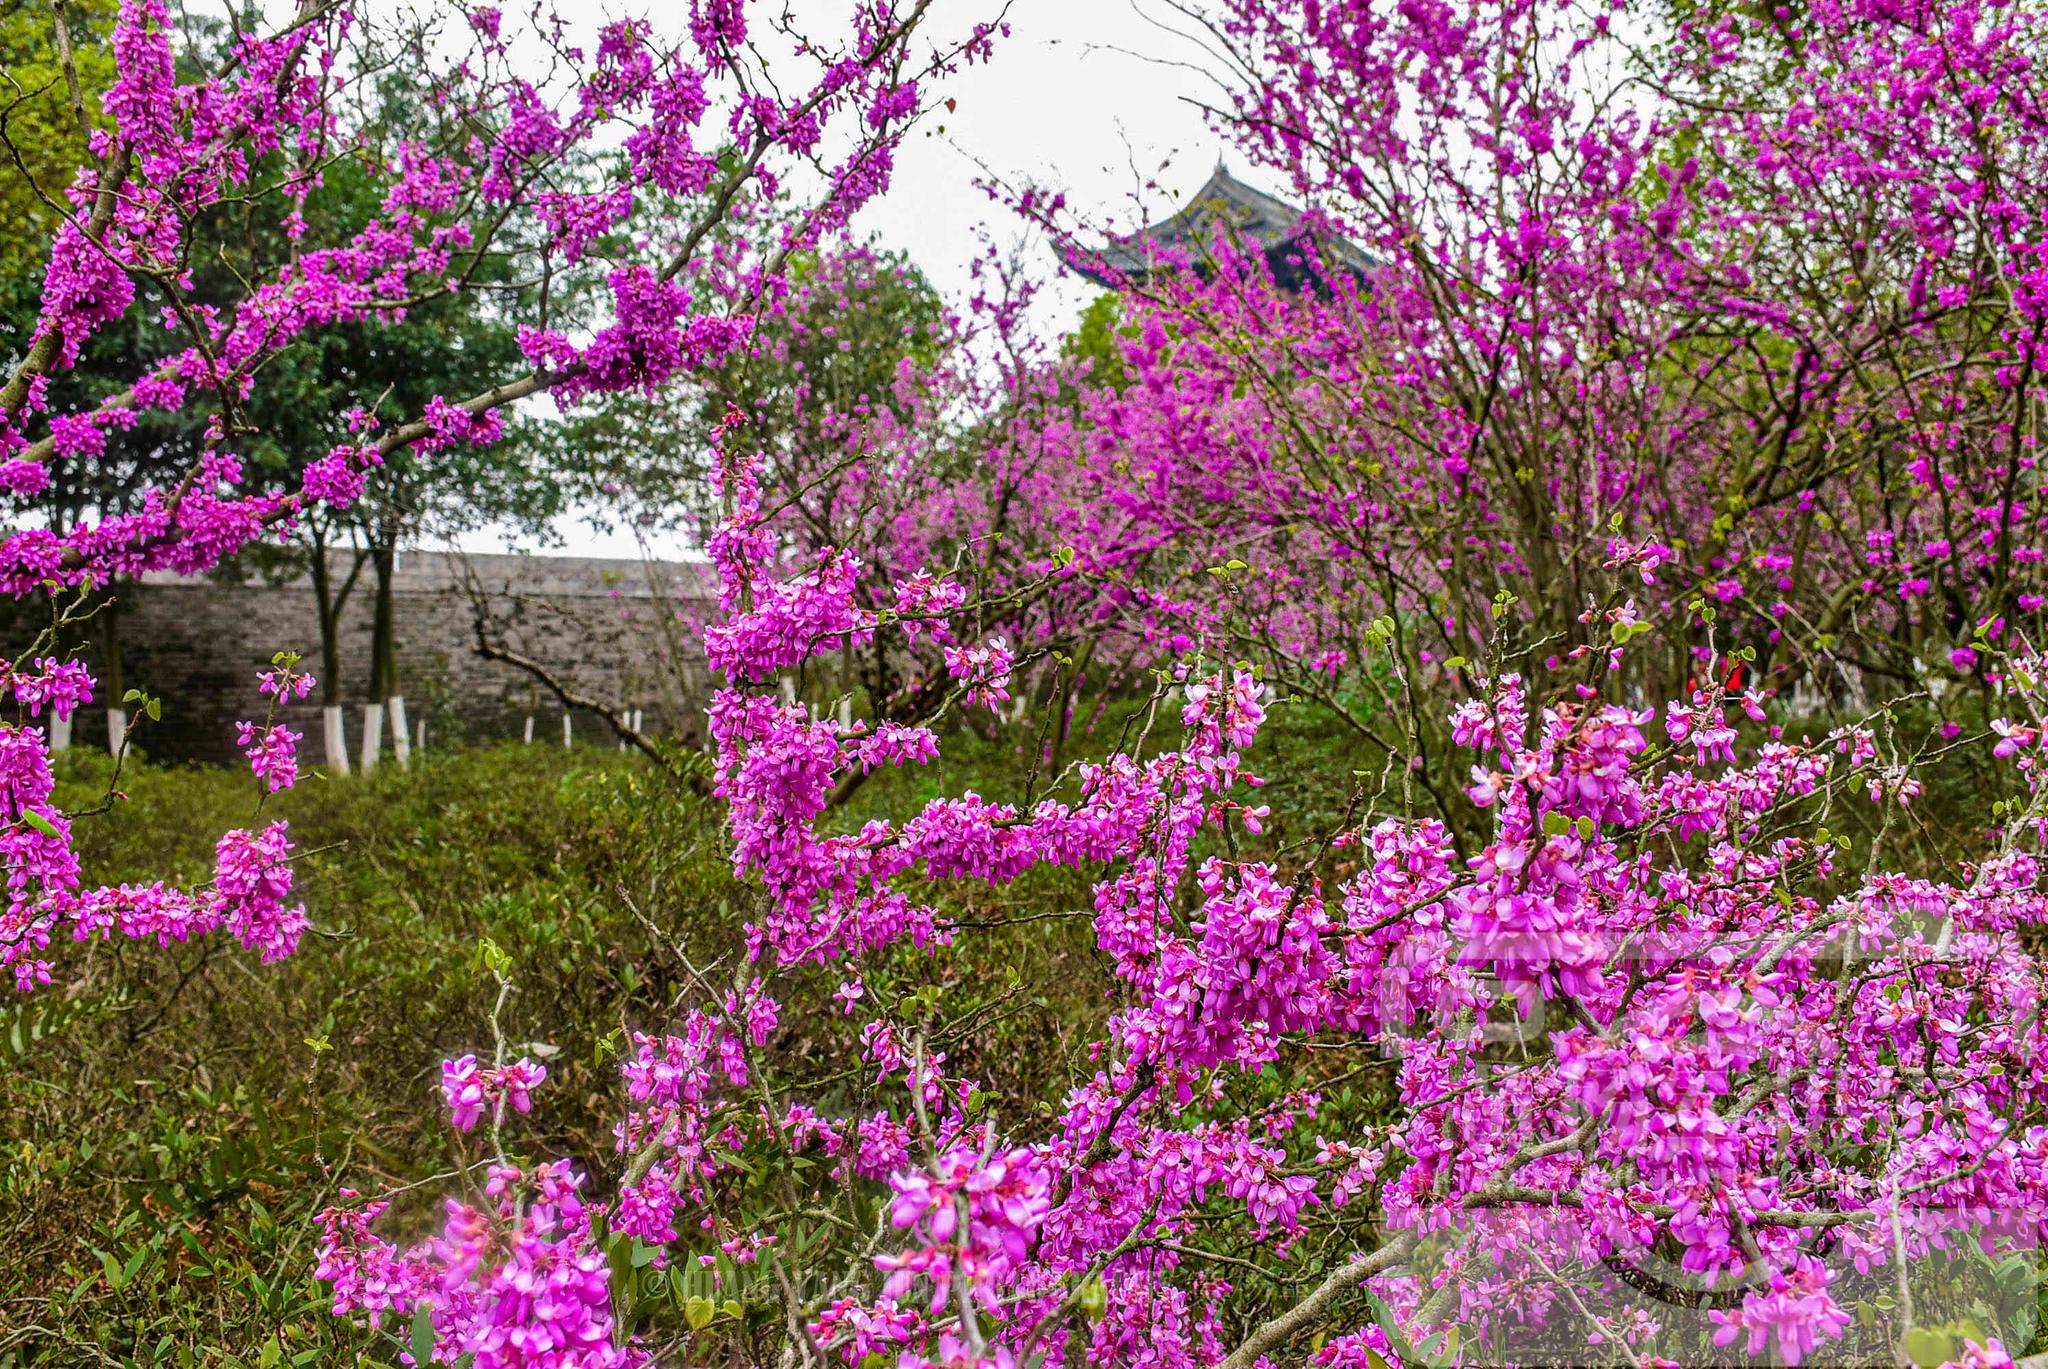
(111, 678)
(401, 738)
(329, 599)
(383, 664)
(334, 734)
(373, 735)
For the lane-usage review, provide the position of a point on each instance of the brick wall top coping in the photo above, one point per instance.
(440, 572)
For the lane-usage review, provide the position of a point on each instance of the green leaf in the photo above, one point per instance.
(199, 1251)
(620, 1258)
(39, 822)
(1391, 1324)
(423, 1336)
(1926, 1347)
(698, 1313)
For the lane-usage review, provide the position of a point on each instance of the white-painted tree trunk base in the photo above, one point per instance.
(565, 730)
(401, 739)
(373, 735)
(419, 741)
(60, 733)
(334, 733)
(529, 729)
(117, 730)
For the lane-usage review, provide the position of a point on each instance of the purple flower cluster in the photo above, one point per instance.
(471, 1092)
(520, 1284)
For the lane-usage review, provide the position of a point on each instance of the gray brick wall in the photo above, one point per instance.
(608, 628)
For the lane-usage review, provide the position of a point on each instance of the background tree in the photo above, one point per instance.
(830, 355)
(297, 408)
(840, 364)
(305, 405)
(45, 118)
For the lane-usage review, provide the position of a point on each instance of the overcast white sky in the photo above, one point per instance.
(1068, 102)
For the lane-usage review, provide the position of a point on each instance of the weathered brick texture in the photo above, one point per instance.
(613, 630)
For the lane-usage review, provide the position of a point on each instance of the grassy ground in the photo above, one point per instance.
(175, 1115)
